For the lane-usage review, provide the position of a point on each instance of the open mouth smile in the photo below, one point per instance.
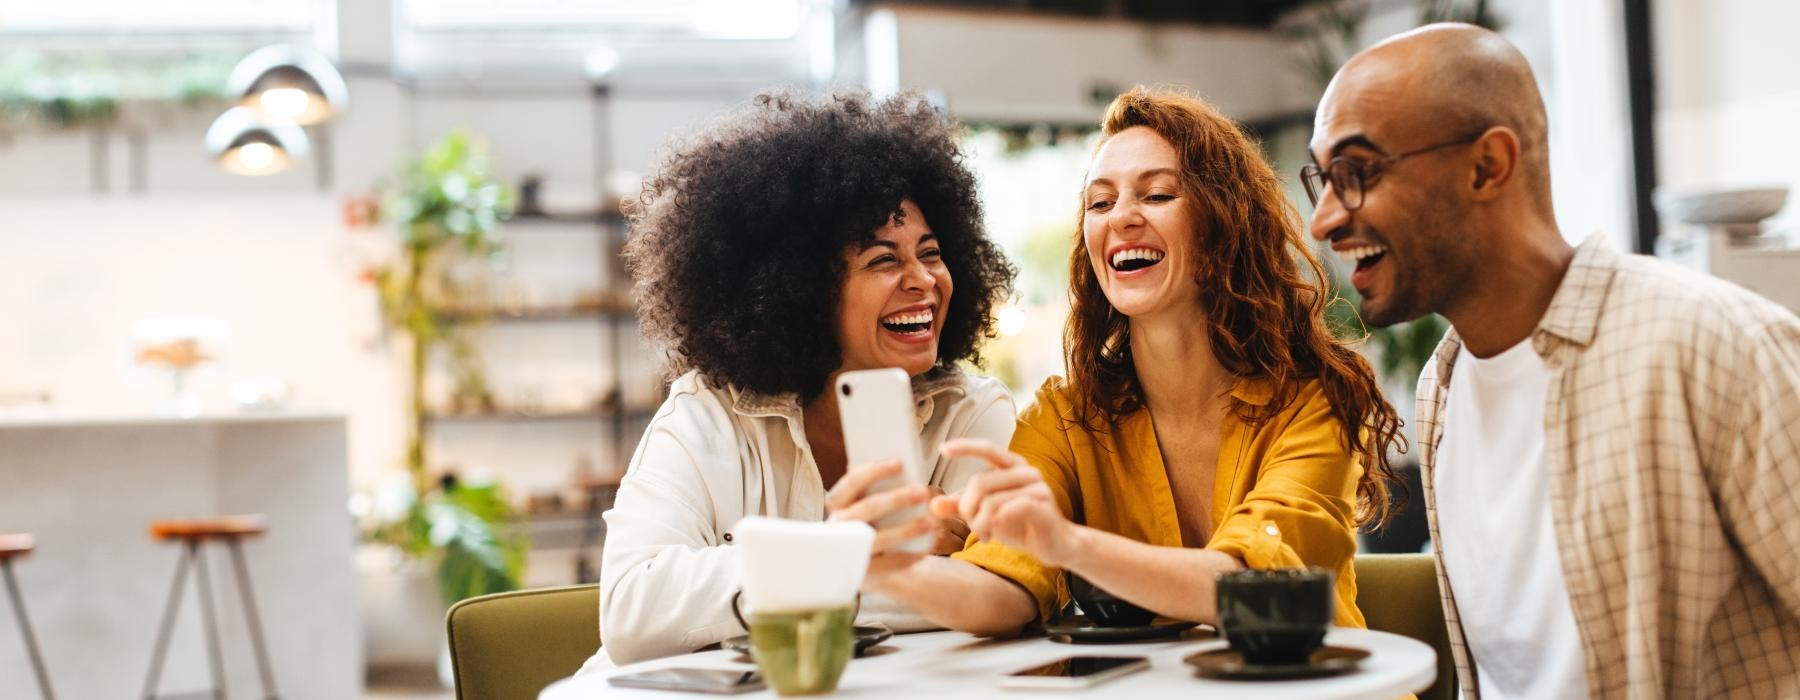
(914, 324)
(1365, 258)
(1134, 259)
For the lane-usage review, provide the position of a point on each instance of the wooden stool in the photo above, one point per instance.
(13, 547)
(191, 534)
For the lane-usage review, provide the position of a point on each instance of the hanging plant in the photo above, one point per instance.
(72, 89)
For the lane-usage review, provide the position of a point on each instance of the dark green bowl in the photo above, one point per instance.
(1103, 608)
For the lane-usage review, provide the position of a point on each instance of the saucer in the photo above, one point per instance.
(1228, 663)
(1078, 629)
(866, 636)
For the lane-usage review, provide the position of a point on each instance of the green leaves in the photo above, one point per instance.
(449, 195)
(466, 524)
(72, 87)
(470, 530)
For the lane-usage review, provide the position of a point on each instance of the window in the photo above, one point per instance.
(137, 16)
(711, 19)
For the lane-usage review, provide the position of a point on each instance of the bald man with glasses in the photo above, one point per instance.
(1610, 445)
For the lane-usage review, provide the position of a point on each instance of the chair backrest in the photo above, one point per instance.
(509, 646)
(1398, 593)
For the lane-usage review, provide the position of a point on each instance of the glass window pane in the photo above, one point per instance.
(138, 16)
(724, 19)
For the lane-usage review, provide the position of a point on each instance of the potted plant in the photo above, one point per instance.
(447, 207)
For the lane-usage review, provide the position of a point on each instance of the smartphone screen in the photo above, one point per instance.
(1082, 666)
(693, 680)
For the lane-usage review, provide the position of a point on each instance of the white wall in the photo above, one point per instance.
(279, 271)
(271, 258)
(1728, 95)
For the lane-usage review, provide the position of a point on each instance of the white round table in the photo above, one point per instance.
(943, 665)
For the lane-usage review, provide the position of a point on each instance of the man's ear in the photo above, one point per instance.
(1496, 154)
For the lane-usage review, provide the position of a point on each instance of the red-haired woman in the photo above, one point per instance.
(1209, 422)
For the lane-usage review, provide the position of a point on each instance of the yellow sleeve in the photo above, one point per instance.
(1041, 439)
(1302, 509)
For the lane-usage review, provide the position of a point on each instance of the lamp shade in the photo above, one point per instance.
(243, 144)
(288, 85)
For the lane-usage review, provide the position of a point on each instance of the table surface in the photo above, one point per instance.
(957, 665)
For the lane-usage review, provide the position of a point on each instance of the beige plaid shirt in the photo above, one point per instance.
(1672, 451)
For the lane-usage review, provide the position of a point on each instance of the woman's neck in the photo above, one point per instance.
(825, 433)
(1175, 365)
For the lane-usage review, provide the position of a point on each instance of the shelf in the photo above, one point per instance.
(608, 216)
(505, 416)
(618, 312)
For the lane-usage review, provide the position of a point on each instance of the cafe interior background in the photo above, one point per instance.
(380, 302)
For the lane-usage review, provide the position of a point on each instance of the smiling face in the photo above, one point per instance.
(896, 289)
(1138, 227)
(1410, 241)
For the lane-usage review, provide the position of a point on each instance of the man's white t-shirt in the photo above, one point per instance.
(1498, 542)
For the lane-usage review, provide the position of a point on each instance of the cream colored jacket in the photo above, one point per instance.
(713, 455)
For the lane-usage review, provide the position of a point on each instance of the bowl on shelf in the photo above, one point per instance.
(1741, 206)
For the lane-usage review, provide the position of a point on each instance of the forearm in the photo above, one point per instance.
(671, 602)
(960, 596)
(1174, 582)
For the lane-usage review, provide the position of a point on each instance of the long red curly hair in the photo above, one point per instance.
(1263, 292)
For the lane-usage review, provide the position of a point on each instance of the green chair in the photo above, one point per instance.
(1398, 593)
(509, 646)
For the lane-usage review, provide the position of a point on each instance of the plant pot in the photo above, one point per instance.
(402, 610)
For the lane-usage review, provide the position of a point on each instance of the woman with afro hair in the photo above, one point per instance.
(795, 239)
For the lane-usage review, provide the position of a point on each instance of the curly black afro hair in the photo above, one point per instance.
(737, 243)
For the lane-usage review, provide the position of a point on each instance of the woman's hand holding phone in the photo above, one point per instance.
(850, 499)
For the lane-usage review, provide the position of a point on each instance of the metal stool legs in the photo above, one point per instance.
(191, 553)
(250, 615)
(31, 648)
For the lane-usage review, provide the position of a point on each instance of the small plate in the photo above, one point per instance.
(1078, 629)
(1228, 663)
(866, 636)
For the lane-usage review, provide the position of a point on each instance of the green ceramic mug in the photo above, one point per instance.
(800, 652)
(1276, 616)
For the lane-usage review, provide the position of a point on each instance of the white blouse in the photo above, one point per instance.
(713, 455)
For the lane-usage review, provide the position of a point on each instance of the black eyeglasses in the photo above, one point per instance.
(1349, 177)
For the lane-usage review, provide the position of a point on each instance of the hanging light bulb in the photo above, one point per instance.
(289, 85)
(255, 157)
(242, 144)
(285, 104)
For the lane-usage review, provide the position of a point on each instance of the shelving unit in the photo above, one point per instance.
(556, 309)
(572, 386)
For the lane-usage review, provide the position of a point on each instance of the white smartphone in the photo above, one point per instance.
(1074, 672)
(876, 409)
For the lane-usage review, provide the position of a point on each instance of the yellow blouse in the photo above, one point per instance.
(1284, 495)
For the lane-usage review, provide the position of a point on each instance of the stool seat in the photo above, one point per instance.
(16, 545)
(222, 527)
